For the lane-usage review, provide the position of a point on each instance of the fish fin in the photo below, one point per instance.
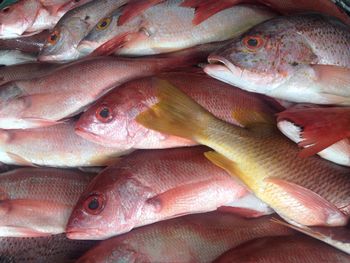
(321, 131)
(135, 8)
(176, 201)
(20, 160)
(324, 212)
(329, 235)
(242, 211)
(224, 163)
(258, 122)
(204, 9)
(111, 45)
(175, 113)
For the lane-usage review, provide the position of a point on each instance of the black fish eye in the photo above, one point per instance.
(104, 113)
(94, 204)
(252, 42)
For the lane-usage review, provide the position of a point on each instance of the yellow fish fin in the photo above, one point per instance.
(175, 113)
(224, 163)
(257, 122)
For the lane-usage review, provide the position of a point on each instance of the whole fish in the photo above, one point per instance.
(303, 58)
(53, 249)
(32, 16)
(73, 27)
(120, 107)
(193, 238)
(25, 71)
(325, 131)
(38, 202)
(308, 191)
(67, 91)
(150, 186)
(168, 27)
(287, 249)
(56, 146)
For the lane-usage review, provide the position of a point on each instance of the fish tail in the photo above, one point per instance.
(321, 127)
(176, 114)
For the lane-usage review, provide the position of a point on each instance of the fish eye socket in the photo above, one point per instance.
(94, 204)
(104, 23)
(53, 37)
(104, 114)
(253, 43)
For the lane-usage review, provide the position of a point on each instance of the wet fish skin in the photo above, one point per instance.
(303, 58)
(150, 186)
(38, 202)
(25, 71)
(168, 27)
(31, 16)
(192, 238)
(266, 161)
(55, 146)
(54, 249)
(73, 26)
(132, 98)
(283, 249)
(38, 102)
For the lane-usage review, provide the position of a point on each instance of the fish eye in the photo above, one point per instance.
(104, 114)
(53, 37)
(253, 43)
(94, 204)
(104, 23)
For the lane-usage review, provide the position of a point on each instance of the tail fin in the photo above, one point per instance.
(322, 127)
(175, 114)
(338, 237)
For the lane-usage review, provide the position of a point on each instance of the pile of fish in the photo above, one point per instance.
(174, 131)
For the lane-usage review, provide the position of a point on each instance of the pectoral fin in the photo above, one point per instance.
(321, 212)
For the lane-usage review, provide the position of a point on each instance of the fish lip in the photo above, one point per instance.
(87, 47)
(216, 59)
(83, 233)
(87, 135)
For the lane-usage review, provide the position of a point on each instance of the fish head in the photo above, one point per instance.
(110, 205)
(100, 34)
(261, 59)
(111, 120)
(61, 44)
(17, 18)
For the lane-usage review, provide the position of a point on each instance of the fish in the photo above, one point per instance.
(54, 146)
(286, 249)
(27, 44)
(150, 186)
(25, 71)
(302, 58)
(111, 120)
(192, 238)
(208, 8)
(37, 102)
(38, 202)
(306, 191)
(28, 17)
(167, 27)
(320, 130)
(6, 3)
(62, 43)
(56, 248)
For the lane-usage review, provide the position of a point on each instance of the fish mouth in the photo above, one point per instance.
(222, 69)
(87, 135)
(86, 47)
(83, 233)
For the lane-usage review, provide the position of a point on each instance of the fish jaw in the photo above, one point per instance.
(223, 70)
(86, 47)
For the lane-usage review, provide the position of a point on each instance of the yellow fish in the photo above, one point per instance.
(307, 191)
